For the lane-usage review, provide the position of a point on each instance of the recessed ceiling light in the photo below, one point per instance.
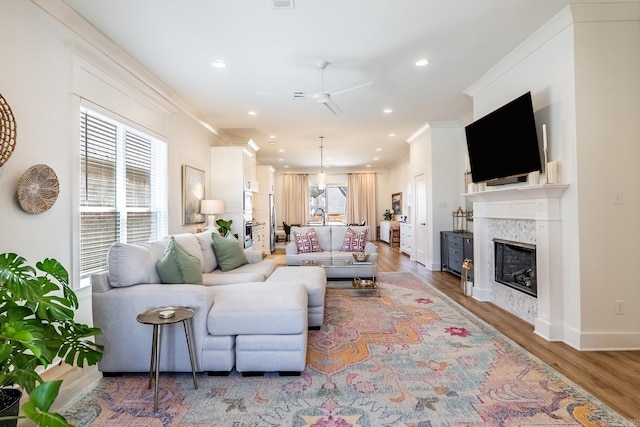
(392, 135)
(423, 62)
(281, 160)
(219, 64)
(387, 110)
(368, 166)
(281, 150)
(286, 166)
(252, 113)
(272, 143)
(376, 158)
(378, 149)
(272, 137)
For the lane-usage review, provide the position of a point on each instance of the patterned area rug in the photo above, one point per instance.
(411, 357)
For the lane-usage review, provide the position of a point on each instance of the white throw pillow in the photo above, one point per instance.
(133, 263)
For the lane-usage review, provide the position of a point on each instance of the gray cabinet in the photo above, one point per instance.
(455, 247)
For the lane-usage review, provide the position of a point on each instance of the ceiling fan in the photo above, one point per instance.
(325, 97)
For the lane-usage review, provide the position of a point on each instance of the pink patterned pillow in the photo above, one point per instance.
(354, 242)
(307, 242)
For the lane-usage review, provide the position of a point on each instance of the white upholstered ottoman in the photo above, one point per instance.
(314, 278)
(269, 321)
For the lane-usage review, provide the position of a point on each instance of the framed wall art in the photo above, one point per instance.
(396, 203)
(192, 194)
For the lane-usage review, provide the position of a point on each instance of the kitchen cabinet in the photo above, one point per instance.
(263, 204)
(406, 237)
(259, 237)
(230, 176)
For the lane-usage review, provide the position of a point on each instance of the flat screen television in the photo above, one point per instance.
(504, 143)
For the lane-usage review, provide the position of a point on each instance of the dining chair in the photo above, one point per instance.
(287, 231)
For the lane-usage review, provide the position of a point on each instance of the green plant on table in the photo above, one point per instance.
(224, 227)
(37, 325)
(388, 215)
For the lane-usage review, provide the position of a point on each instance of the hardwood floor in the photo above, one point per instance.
(611, 376)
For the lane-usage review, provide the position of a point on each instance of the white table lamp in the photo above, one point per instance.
(211, 208)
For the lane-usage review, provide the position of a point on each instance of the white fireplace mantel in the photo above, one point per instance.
(540, 191)
(539, 203)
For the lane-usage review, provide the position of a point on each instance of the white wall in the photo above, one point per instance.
(439, 153)
(399, 182)
(583, 77)
(38, 79)
(607, 56)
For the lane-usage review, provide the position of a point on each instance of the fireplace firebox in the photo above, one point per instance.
(515, 265)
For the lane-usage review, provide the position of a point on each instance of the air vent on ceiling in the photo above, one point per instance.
(282, 4)
(299, 95)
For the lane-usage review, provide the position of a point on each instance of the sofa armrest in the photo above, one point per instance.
(291, 248)
(100, 282)
(253, 256)
(370, 248)
(115, 313)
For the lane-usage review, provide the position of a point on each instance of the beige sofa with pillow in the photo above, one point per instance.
(172, 272)
(330, 244)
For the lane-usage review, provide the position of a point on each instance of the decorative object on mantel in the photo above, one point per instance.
(551, 171)
(459, 218)
(7, 131)
(38, 189)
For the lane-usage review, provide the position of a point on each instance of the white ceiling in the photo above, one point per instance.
(276, 51)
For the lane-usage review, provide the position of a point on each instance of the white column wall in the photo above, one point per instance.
(582, 69)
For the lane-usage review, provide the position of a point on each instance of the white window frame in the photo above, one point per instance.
(326, 201)
(157, 205)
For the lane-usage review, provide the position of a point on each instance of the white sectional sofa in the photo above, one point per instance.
(235, 323)
(331, 240)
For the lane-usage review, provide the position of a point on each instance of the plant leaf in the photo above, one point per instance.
(40, 400)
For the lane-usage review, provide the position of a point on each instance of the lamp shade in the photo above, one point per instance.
(211, 207)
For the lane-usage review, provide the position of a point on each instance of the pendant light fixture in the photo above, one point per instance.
(322, 177)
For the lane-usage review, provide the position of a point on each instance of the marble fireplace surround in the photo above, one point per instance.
(527, 214)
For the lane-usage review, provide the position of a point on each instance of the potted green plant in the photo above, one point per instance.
(387, 215)
(37, 325)
(224, 227)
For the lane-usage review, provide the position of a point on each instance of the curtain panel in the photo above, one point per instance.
(296, 199)
(362, 200)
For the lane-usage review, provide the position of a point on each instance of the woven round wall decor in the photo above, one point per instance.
(7, 131)
(38, 189)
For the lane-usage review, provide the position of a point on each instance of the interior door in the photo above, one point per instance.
(420, 206)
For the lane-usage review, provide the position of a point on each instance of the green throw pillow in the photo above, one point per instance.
(178, 266)
(229, 253)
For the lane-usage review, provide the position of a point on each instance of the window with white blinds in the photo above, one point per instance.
(123, 188)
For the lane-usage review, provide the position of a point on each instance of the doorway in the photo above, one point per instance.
(420, 203)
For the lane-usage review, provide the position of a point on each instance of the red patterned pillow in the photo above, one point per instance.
(354, 242)
(307, 242)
